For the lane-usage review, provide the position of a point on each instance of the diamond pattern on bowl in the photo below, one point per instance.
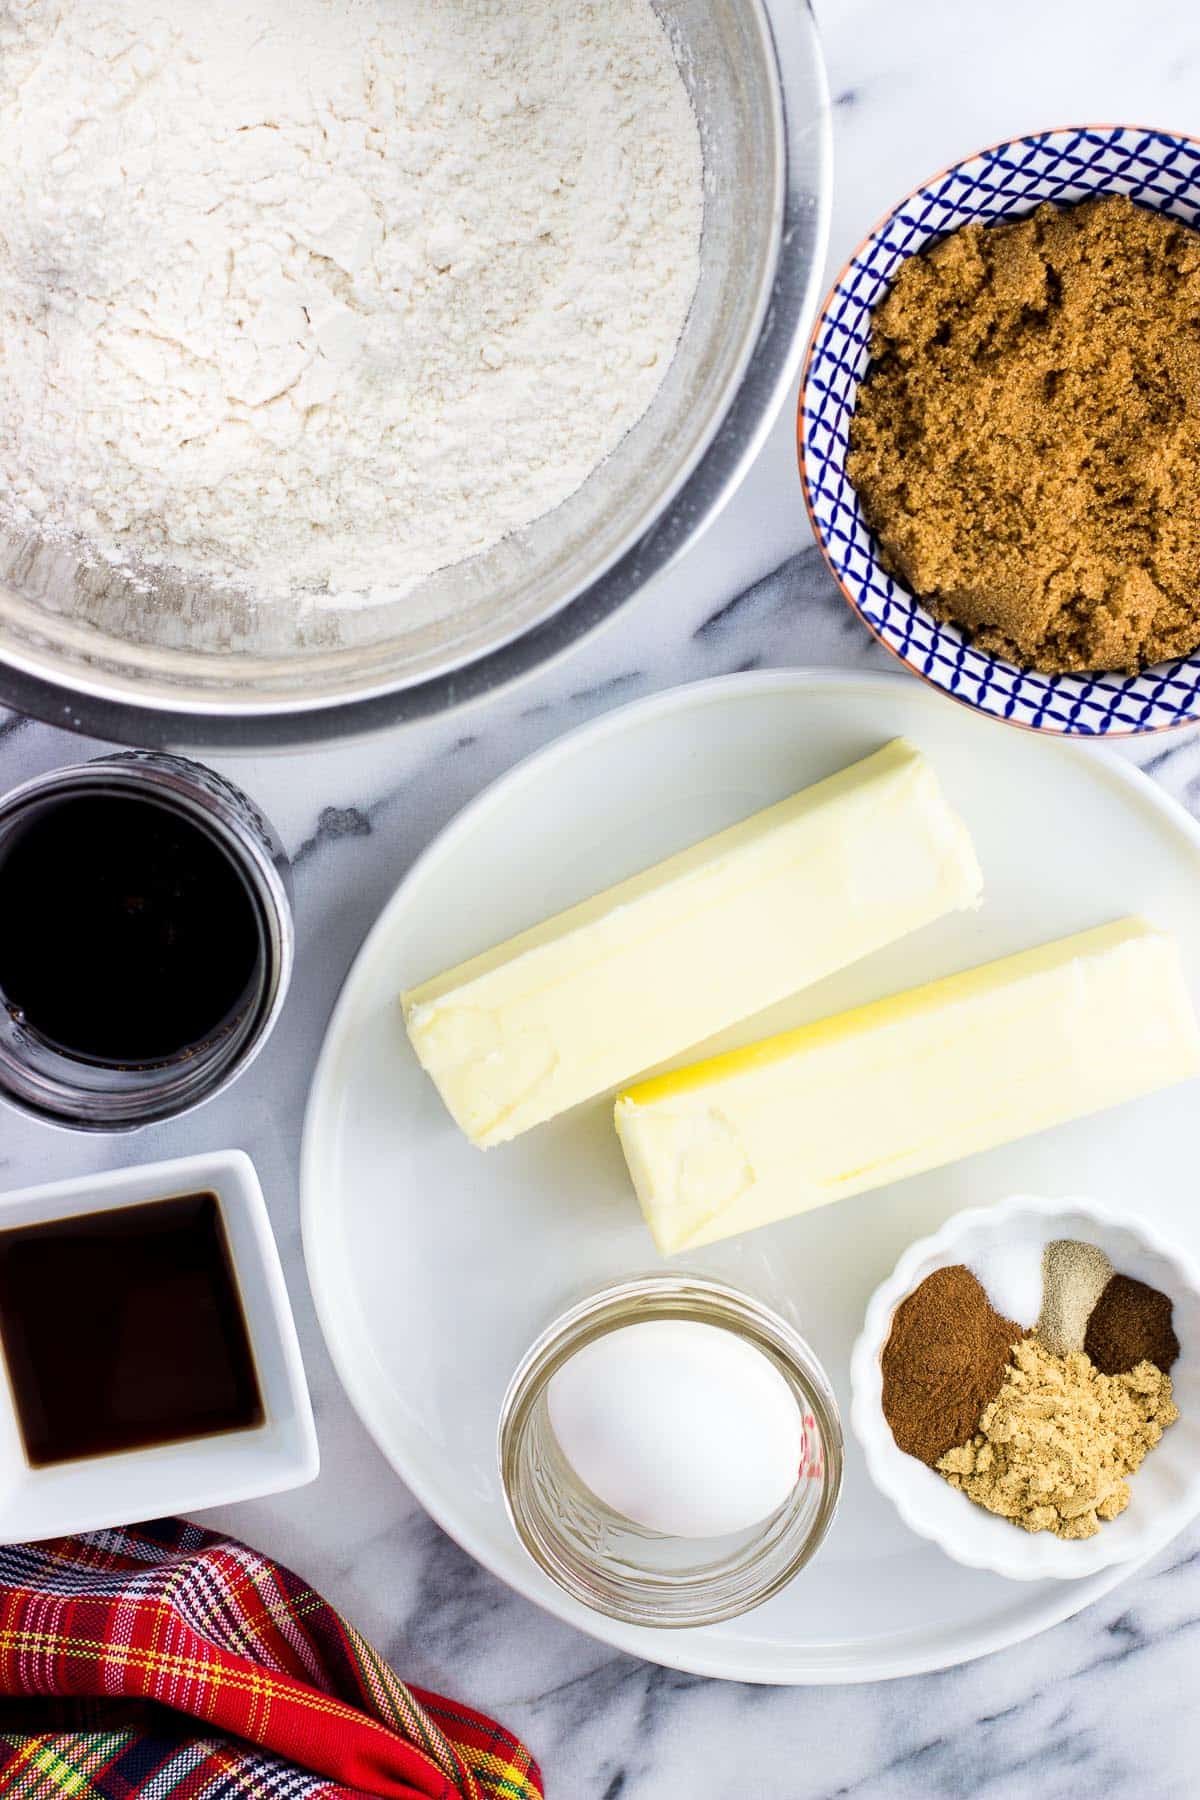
(1154, 168)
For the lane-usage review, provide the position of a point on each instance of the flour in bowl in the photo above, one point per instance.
(329, 294)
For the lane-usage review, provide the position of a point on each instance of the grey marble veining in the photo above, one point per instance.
(1104, 1703)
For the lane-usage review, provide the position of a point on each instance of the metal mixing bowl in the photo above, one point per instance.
(189, 666)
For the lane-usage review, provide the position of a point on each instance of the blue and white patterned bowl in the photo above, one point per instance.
(1156, 169)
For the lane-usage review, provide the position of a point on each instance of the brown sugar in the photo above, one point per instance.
(1026, 442)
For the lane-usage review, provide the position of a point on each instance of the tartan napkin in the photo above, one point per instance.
(163, 1662)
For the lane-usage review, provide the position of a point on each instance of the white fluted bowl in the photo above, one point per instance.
(1165, 1490)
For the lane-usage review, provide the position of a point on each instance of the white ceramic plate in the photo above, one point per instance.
(433, 1264)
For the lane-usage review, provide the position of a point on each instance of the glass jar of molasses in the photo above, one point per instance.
(146, 939)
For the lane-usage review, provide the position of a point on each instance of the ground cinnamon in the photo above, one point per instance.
(1131, 1323)
(943, 1362)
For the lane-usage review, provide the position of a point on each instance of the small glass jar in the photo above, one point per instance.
(91, 1095)
(619, 1568)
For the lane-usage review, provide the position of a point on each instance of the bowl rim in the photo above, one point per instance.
(819, 323)
(870, 1429)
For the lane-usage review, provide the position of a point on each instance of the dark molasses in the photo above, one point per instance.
(127, 933)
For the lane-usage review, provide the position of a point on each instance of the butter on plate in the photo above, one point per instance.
(668, 958)
(908, 1083)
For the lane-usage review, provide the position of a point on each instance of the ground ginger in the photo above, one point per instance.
(1053, 1449)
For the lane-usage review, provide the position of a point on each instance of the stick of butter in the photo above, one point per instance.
(909, 1083)
(670, 957)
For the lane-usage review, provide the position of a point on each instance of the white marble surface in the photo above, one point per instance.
(1105, 1702)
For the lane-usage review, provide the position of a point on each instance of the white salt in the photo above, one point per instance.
(1011, 1274)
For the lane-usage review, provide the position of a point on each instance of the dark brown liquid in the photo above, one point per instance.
(124, 1329)
(127, 934)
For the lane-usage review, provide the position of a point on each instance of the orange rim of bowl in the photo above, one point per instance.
(1183, 137)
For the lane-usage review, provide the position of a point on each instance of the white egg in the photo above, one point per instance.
(678, 1426)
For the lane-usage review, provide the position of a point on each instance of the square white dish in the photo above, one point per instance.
(90, 1493)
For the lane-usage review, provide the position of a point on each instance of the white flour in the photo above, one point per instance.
(331, 293)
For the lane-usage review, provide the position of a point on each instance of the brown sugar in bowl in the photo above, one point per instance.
(1160, 171)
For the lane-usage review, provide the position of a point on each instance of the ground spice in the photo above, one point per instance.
(943, 1362)
(1131, 1323)
(1053, 1449)
(1026, 442)
(1074, 1275)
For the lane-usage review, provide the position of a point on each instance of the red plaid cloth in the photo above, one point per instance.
(168, 1663)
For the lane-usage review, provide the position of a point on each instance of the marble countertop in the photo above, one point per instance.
(1103, 1702)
